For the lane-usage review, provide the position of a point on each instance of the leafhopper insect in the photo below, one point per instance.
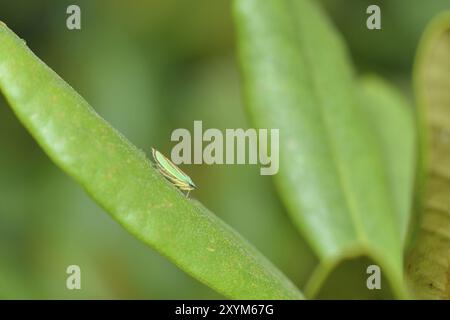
(174, 174)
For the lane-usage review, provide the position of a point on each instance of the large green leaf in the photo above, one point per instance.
(392, 121)
(122, 180)
(429, 263)
(332, 178)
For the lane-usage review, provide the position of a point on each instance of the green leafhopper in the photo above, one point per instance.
(174, 174)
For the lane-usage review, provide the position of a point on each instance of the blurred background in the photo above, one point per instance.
(149, 67)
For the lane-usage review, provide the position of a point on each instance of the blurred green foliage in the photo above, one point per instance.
(336, 161)
(148, 68)
(428, 264)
